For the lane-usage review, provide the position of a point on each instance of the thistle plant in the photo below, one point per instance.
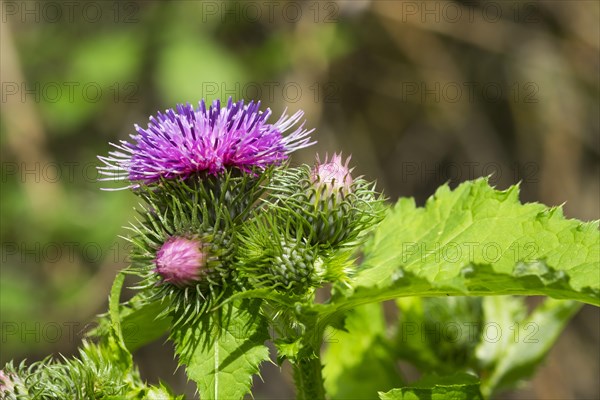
(234, 246)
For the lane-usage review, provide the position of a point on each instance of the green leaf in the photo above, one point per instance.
(115, 337)
(160, 392)
(513, 344)
(454, 387)
(360, 362)
(502, 315)
(439, 334)
(143, 323)
(113, 303)
(224, 350)
(114, 310)
(475, 240)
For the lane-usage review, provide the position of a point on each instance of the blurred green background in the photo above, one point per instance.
(419, 92)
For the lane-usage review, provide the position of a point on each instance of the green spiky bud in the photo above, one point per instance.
(270, 257)
(290, 265)
(327, 205)
(331, 184)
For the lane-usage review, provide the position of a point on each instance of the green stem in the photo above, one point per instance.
(308, 379)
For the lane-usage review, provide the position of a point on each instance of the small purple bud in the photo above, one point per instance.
(333, 175)
(181, 261)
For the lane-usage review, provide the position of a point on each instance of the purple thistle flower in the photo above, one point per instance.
(178, 144)
(181, 261)
(333, 175)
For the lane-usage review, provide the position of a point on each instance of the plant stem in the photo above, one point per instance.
(308, 379)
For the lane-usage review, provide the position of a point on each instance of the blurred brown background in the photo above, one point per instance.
(419, 92)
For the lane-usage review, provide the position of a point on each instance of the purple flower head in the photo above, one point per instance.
(334, 175)
(181, 261)
(188, 140)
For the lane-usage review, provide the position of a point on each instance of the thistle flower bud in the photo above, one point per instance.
(292, 267)
(332, 176)
(181, 261)
(269, 257)
(325, 204)
(331, 183)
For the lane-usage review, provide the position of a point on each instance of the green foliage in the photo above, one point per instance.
(114, 339)
(143, 322)
(439, 334)
(224, 350)
(494, 337)
(413, 253)
(452, 387)
(517, 343)
(308, 378)
(359, 360)
(110, 79)
(98, 373)
(475, 240)
(102, 370)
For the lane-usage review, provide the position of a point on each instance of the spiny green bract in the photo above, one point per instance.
(94, 374)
